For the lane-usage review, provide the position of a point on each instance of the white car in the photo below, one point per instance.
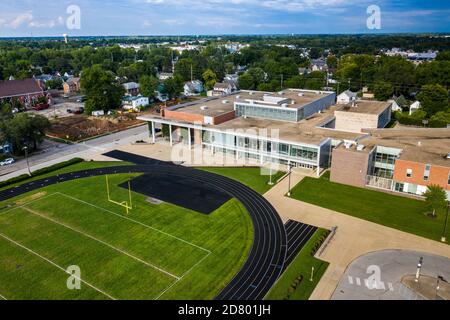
(7, 162)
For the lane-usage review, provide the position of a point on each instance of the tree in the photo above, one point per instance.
(436, 199)
(332, 62)
(100, 89)
(174, 86)
(5, 112)
(440, 120)
(54, 84)
(246, 82)
(148, 86)
(433, 98)
(210, 79)
(383, 90)
(25, 130)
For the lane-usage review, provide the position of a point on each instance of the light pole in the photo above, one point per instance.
(270, 179)
(289, 188)
(444, 234)
(419, 268)
(26, 157)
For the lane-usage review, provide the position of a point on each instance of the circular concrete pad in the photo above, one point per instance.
(378, 275)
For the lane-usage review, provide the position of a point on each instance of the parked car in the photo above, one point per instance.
(81, 99)
(41, 106)
(7, 162)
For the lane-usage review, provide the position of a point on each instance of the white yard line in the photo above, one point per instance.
(55, 265)
(135, 221)
(102, 242)
(23, 205)
(185, 274)
(2, 297)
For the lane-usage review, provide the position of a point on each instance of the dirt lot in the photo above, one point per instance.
(80, 127)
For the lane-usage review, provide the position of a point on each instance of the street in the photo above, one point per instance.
(52, 152)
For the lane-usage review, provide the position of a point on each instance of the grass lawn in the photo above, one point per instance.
(250, 176)
(390, 210)
(301, 266)
(156, 252)
(73, 168)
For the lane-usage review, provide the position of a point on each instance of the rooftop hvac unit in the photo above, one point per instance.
(225, 101)
(360, 147)
(348, 144)
(301, 94)
(448, 156)
(204, 108)
(284, 105)
(238, 97)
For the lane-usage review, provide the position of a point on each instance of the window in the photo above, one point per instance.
(448, 181)
(426, 174)
(409, 173)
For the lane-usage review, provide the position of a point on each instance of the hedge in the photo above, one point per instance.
(40, 172)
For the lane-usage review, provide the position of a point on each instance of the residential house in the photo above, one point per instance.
(131, 88)
(24, 91)
(193, 88)
(134, 103)
(223, 88)
(346, 97)
(72, 85)
(163, 76)
(414, 107)
(319, 65)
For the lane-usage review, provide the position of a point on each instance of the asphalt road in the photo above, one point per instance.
(58, 152)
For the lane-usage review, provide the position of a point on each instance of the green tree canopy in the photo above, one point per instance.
(210, 79)
(434, 98)
(436, 199)
(383, 90)
(148, 86)
(101, 90)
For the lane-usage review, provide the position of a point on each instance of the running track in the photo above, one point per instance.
(268, 254)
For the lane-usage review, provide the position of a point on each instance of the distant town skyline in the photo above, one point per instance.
(23, 18)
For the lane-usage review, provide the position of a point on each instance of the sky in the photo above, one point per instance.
(219, 17)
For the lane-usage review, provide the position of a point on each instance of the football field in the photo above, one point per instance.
(157, 251)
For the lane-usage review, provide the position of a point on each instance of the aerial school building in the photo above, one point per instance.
(267, 127)
(305, 128)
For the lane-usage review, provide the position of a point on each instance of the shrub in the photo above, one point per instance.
(40, 172)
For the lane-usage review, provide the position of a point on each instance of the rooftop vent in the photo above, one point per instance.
(448, 156)
(284, 105)
(238, 97)
(250, 93)
(281, 93)
(204, 108)
(301, 94)
(225, 101)
(360, 147)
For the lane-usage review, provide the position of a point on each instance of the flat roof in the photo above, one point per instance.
(424, 145)
(367, 107)
(215, 106)
(300, 132)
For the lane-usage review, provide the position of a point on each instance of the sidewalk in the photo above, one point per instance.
(354, 237)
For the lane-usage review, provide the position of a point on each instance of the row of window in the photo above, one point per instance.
(284, 114)
(385, 158)
(228, 140)
(426, 173)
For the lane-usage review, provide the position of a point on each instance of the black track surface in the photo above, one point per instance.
(180, 191)
(266, 259)
(297, 236)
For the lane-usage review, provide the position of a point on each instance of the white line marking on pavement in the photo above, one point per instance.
(55, 265)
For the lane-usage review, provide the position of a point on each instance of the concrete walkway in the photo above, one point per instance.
(354, 237)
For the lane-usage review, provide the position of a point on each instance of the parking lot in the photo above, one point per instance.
(60, 107)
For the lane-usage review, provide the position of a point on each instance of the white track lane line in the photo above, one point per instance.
(3, 297)
(55, 265)
(102, 242)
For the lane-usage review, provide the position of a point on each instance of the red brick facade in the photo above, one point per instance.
(439, 175)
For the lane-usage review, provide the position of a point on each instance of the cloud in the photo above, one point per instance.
(21, 19)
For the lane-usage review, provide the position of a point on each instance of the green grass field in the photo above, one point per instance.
(251, 177)
(393, 211)
(156, 252)
(301, 266)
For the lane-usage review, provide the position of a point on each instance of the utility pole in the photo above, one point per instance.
(444, 234)
(26, 157)
(192, 72)
(282, 81)
(289, 186)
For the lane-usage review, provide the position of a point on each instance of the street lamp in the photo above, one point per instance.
(444, 234)
(290, 171)
(270, 173)
(419, 268)
(26, 157)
